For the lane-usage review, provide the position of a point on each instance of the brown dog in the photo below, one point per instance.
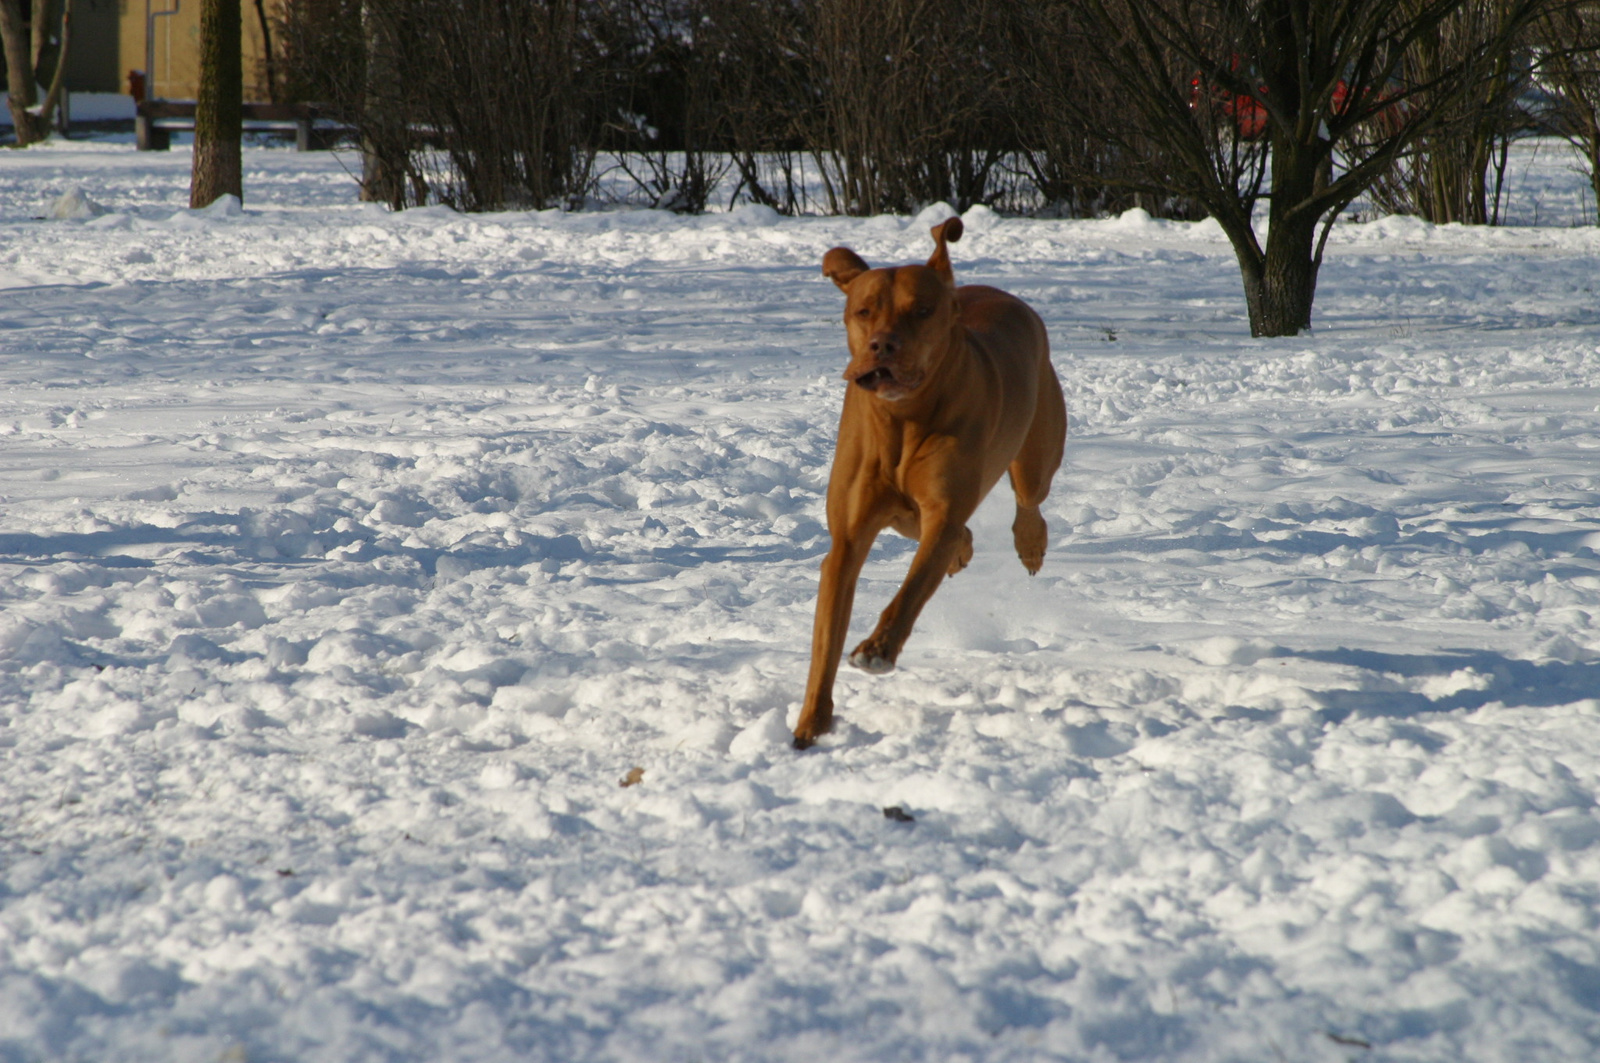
(949, 388)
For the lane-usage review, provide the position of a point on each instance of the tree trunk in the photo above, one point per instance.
(1592, 150)
(270, 57)
(1280, 282)
(218, 116)
(383, 137)
(1288, 281)
(20, 75)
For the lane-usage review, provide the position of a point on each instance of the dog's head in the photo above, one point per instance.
(899, 319)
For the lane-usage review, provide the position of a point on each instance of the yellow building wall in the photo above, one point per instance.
(175, 71)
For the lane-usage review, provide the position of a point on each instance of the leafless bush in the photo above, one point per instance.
(761, 80)
(320, 55)
(1456, 171)
(1568, 39)
(667, 125)
(478, 104)
(1182, 107)
(1079, 155)
(913, 101)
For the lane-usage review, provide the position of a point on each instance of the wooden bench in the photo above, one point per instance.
(157, 119)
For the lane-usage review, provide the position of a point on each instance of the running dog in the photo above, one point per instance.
(949, 387)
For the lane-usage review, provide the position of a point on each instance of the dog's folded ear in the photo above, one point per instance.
(842, 265)
(945, 233)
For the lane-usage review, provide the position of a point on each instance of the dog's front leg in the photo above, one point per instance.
(943, 539)
(835, 595)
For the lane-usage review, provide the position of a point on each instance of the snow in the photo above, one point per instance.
(350, 563)
(83, 107)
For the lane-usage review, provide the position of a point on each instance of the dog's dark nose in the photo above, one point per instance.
(883, 345)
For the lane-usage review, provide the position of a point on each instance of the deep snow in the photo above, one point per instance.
(349, 562)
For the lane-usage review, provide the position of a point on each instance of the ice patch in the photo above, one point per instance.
(1397, 227)
(1133, 220)
(754, 214)
(224, 206)
(932, 215)
(1226, 650)
(379, 725)
(767, 734)
(74, 205)
(980, 219)
(123, 980)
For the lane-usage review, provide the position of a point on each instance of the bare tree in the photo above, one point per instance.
(912, 101)
(1445, 175)
(219, 111)
(764, 96)
(1306, 102)
(669, 126)
(1065, 116)
(1569, 40)
(28, 56)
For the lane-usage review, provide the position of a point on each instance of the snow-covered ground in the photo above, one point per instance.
(350, 561)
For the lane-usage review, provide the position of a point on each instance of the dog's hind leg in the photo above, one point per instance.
(1035, 465)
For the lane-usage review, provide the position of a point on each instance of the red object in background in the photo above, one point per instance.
(136, 85)
(1248, 113)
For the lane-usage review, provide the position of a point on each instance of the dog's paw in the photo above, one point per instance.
(871, 663)
(1028, 531)
(963, 554)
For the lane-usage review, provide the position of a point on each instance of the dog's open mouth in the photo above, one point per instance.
(887, 383)
(874, 379)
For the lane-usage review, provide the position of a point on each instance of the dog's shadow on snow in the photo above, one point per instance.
(1486, 678)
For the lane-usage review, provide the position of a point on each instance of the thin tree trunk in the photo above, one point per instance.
(271, 59)
(52, 96)
(41, 34)
(218, 115)
(382, 137)
(1592, 150)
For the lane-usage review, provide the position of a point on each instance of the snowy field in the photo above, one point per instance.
(349, 562)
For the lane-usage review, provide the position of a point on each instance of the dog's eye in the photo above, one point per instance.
(863, 311)
(924, 311)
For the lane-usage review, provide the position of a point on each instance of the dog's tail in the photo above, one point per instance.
(945, 233)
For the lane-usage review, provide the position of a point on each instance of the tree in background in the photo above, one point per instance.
(1187, 108)
(668, 126)
(1307, 102)
(477, 104)
(1444, 176)
(29, 55)
(1067, 118)
(1569, 40)
(219, 112)
(764, 96)
(913, 98)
